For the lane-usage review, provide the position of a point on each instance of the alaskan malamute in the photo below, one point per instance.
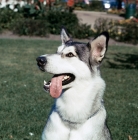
(78, 112)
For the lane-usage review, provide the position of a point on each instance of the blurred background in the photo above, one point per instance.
(30, 28)
(89, 18)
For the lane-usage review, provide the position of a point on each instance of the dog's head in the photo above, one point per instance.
(73, 62)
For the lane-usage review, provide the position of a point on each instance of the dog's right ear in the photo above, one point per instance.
(98, 48)
(64, 36)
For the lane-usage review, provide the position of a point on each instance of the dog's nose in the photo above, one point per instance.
(41, 61)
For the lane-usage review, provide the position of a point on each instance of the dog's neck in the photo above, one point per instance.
(79, 102)
(75, 122)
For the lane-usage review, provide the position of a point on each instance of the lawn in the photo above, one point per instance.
(24, 106)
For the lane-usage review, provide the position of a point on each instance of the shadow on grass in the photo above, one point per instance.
(123, 61)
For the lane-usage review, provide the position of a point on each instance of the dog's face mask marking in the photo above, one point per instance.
(73, 62)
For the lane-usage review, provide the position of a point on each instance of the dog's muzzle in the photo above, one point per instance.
(41, 62)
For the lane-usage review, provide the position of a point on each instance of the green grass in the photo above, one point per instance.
(24, 106)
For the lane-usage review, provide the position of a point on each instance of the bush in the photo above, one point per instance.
(82, 31)
(123, 30)
(102, 24)
(96, 5)
(0, 29)
(30, 27)
(43, 24)
(35, 20)
(128, 31)
(57, 19)
(7, 16)
(93, 6)
(34, 10)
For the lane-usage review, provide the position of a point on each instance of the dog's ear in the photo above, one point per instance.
(64, 36)
(98, 48)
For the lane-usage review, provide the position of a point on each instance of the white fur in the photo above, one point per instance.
(76, 103)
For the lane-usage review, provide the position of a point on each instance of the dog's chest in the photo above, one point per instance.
(78, 103)
(74, 108)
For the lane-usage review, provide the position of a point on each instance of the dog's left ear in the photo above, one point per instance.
(98, 48)
(64, 36)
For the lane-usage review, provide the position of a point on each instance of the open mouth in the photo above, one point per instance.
(55, 85)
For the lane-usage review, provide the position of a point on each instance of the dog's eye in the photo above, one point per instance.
(70, 54)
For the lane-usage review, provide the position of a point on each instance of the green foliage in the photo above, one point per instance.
(29, 11)
(96, 5)
(34, 10)
(102, 24)
(57, 19)
(124, 31)
(51, 23)
(93, 6)
(35, 20)
(39, 22)
(24, 106)
(30, 27)
(82, 31)
(1, 29)
(7, 16)
(129, 32)
(81, 5)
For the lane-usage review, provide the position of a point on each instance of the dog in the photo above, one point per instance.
(78, 112)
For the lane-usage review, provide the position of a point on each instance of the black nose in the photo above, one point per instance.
(41, 61)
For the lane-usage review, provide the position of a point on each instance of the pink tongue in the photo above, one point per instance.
(56, 86)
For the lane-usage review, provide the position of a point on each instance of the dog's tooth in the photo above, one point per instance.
(66, 77)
